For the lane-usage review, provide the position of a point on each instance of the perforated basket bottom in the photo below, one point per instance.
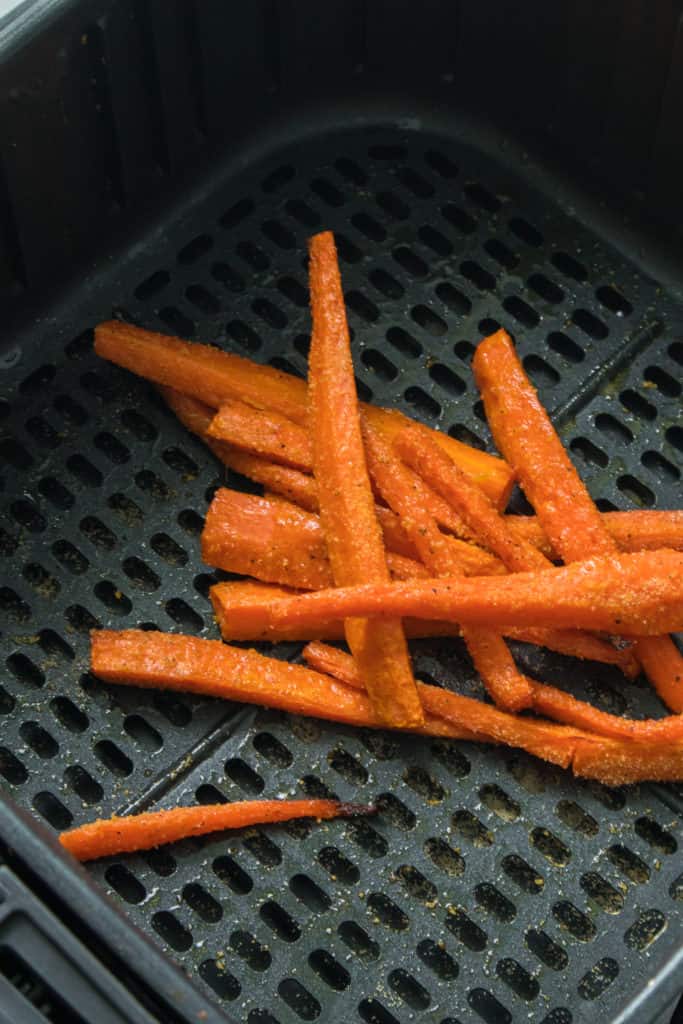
(490, 886)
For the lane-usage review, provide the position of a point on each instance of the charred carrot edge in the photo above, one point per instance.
(194, 665)
(228, 595)
(347, 506)
(649, 750)
(398, 486)
(639, 594)
(523, 432)
(109, 836)
(263, 433)
(213, 376)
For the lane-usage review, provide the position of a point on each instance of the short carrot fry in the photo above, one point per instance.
(493, 661)
(111, 836)
(637, 594)
(524, 433)
(263, 433)
(212, 376)
(347, 507)
(276, 542)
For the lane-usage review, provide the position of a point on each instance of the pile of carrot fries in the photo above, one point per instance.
(373, 529)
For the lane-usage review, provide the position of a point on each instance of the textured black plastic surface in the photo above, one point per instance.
(490, 886)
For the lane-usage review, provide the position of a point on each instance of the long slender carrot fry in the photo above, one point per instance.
(263, 433)
(109, 836)
(622, 762)
(639, 530)
(213, 376)
(563, 707)
(523, 431)
(347, 506)
(227, 596)
(636, 594)
(493, 661)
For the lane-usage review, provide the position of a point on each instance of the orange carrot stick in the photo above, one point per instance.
(261, 432)
(110, 836)
(639, 594)
(523, 431)
(492, 659)
(276, 542)
(347, 506)
(639, 530)
(623, 762)
(212, 376)
(231, 594)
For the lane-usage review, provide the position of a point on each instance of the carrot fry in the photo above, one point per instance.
(228, 595)
(563, 707)
(640, 530)
(189, 664)
(212, 376)
(639, 594)
(622, 762)
(263, 433)
(347, 506)
(109, 836)
(276, 542)
(523, 431)
(397, 485)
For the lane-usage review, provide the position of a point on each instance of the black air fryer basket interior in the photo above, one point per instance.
(166, 162)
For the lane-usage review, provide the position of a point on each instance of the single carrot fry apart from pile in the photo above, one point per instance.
(347, 506)
(212, 376)
(638, 594)
(267, 434)
(524, 433)
(492, 659)
(238, 594)
(110, 836)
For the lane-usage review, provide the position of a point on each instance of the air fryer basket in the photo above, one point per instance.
(490, 886)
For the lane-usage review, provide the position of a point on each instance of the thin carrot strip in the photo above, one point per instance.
(639, 594)
(231, 594)
(347, 506)
(623, 762)
(263, 433)
(213, 376)
(639, 530)
(563, 707)
(109, 836)
(524, 433)
(492, 659)
(276, 542)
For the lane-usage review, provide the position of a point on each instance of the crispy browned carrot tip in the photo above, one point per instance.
(347, 506)
(109, 836)
(636, 594)
(524, 433)
(405, 494)
(212, 376)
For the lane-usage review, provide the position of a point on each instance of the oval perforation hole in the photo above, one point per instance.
(435, 957)
(598, 979)
(23, 669)
(660, 467)
(428, 320)
(386, 912)
(590, 324)
(56, 493)
(453, 299)
(498, 801)
(302, 212)
(479, 277)
(568, 266)
(7, 702)
(462, 433)
(601, 892)
(542, 374)
(574, 816)
(278, 234)
(338, 867)
(566, 347)
(379, 364)
(663, 381)
(39, 379)
(437, 242)
(423, 403)
(11, 769)
(171, 931)
(272, 749)
(161, 862)
(445, 857)
(124, 883)
(415, 884)
(294, 291)
(395, 812)
(144, 734)
(140, 574)
(447, 379)
(589, 452)
(28, 515)
(310, 893)
(550, 847)
(249, 949)
(362, 306)
(493, 901)
(12, 607)
(350, 170)
(236, 878)
(547, 951)
(392, 205)
(279, 921)
(469, 827)
(316, 788)
(414, 182)
(386, 284)
(263, 849)
(347, 766)
(655, 836)
(636, 491)
(219, 979)
(228, 277)
(525, 231)
(243, 335)
(369, 227)
(613, 428)
(42, 433)
(244, 776)
(409, 989)
(68, 715)
(203, 903)
(47, 804)
(329, 970)
(41, 580)
(173, 709)
(517, 978)
(546, 288)
(486, 1006)
(184, 616)
(522, 874)
(299, 999)
(113, 758)
(83, 784)
(571, 919)
(457, 218)
(424, 784)
(465, 930)
(253, 255)
(674, 436)
(112, 598)
(613, 300)
(410, 261)
(270, 313)
(372, 1012)
(447, 754)
(38, 739)
(168, 549)
(130, 513)
(522, 312)
(358, 941)
(208, 794)
(328, 192)
(202, 299)
(15, 454)
(80, 619)
(404, 343)
(646, 930)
